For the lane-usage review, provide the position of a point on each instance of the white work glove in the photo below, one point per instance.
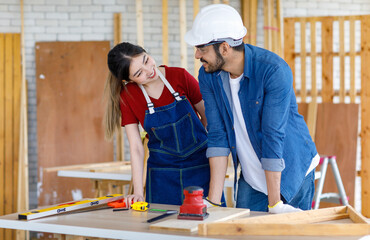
(280, 207)
(208, 204)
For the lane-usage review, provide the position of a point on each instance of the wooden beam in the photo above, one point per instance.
(342, 87)
(365, 116)
(303, 61)
(352, 53)
(196, 61)
(165, 32)
(313, 63)
(297, 223)
(117, 19)
(2, 128)
(327, 59)
(139, 22)
(183, 47)
(289, 45)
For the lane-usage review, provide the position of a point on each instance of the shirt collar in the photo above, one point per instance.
(247, 61)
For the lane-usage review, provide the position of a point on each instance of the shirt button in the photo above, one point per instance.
(257, 102)
(232, 147)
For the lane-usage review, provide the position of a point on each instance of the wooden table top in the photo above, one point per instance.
(130, 224)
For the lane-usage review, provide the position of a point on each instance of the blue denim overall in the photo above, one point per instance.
(177, 146)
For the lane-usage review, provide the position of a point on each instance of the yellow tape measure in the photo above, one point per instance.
(67, 207)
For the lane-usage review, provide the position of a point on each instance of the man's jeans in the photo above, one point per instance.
(257, 201)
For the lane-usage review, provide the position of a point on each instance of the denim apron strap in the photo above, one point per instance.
(150, 105)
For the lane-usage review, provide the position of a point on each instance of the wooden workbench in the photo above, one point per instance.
(124, 225)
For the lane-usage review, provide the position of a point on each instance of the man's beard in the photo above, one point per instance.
(220, 62)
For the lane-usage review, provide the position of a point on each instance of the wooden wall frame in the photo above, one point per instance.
(327, 91)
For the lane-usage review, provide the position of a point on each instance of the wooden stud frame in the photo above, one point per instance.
(297, 223)
(327, 92)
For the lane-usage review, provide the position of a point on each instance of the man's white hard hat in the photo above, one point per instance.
(216, 22)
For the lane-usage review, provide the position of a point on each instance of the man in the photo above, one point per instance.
(251, 112)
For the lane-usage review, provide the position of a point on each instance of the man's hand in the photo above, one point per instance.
(280, 207)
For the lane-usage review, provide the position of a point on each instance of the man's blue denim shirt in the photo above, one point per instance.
(278, 133)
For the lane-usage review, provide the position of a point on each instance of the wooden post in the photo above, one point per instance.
(246, 17)
(253, 21)
(342, 88)
(117, 19)
(120, 136)
(196, 61)
(267, 5)
(289, 45)
(165, 32)
(365, 115)
(183, 51)
(2, 130)
(313, 62)
(280, 28)
(303, 61)
(352, 91)
(139, 22)
(327, 59)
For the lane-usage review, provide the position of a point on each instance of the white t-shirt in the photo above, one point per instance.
(251, 166)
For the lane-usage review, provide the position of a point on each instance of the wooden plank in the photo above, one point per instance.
(355, 216)
(120, 140)
(303, 62)
(331, 18)
(279, 25)
(312, 118)
(296, 223)
(289, 45)
(9, 138)
(139, 23)
(16, 111)
(365, 116)
(253, 21)
(71, 133)
(327, 59)
(342, 87)
(165, 32)
(216, 214)
(196, 61)
(86, 166)
(267, 4)
(183, 46)
(246, 17)
(311, 216)
(336, 127)
(313, 63)
(2, 130)
(284, 229)
(117, 19)
(352, 69)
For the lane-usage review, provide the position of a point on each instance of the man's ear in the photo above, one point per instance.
(225, 49)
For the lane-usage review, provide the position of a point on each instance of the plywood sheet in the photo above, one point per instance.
(216, 214)
(336, 134)
(70, 81)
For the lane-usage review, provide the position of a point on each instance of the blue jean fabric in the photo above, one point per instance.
(177, 159)
(278, 133)
(257, 201)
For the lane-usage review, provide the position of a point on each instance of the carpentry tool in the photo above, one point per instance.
(67, 207)
(193, 207)
(155, 210)
(140, 206)
(166, 214)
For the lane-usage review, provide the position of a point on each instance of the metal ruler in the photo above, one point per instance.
(67, 207)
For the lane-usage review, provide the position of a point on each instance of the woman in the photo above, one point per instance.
(165, 101)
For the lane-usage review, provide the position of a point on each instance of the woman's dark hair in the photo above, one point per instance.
(119, 60)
